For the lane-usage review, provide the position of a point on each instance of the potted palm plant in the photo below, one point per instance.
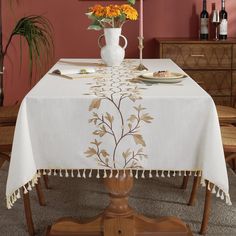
(36, 30)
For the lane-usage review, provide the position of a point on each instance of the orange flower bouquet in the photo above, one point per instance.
(111, 16)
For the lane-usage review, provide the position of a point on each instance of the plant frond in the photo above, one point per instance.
(37, 31)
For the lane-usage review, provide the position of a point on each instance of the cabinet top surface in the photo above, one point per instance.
(192, 41)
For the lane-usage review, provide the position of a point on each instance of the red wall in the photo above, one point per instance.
(162, 18)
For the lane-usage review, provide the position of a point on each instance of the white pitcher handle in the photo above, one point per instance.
(126, 43)
(99, 40)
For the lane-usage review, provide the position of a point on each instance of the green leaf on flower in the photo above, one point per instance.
(94, 27)
(91, 16)
(122, 17)
(106, 20)
(132, 2)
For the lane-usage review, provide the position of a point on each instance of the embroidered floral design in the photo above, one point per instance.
(115, 90)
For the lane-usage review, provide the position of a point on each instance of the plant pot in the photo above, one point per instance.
(112, 53)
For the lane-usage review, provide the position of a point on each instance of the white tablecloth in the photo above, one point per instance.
(108, 122)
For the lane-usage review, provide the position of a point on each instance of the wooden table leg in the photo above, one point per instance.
(193, 195)
(119, 219)
(40, 194)
(207, 209)
(28, 214)
(185, 182)
(46, 181)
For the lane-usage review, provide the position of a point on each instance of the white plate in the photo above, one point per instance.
(173, 78)
(161, 80)
(173, 75)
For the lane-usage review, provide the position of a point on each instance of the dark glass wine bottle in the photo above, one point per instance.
(223, 22)
(204, 21)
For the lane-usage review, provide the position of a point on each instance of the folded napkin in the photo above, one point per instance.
(84, 70)
(82, 64)
(79, 73)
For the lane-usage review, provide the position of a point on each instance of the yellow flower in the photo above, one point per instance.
(111, 15)
(112, 11)
(98, 10)
(129, 11)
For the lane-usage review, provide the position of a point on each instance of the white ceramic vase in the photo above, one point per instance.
(112, 53)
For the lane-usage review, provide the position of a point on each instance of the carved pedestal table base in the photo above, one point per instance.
(119, 219)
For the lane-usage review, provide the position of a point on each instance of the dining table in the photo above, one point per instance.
(84, 119)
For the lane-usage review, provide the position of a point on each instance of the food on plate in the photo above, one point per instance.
(162, 74)
(83, 71)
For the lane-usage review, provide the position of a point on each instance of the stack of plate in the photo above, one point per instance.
(173, 77)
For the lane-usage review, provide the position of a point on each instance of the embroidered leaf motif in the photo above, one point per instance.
(104, 153)
(103, 128)
(115, 91)
(132, 118)
(96, 132)
(101, 132)
(139, 108)
(127, 153)
(95, 104)
(90, 152)
(135, 91)
(130, 126)
(95, 114)
(96, 143)
(134, 97)
(146, 118)
(138, 138)
(109, 117)
(94, 120)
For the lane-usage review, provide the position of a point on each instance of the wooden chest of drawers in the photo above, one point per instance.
(211, 63)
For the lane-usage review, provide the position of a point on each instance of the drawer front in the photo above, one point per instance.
(199, 56)
(234, 56)
(234, 101)
(234, 83)
(216, 83)
(225, 101)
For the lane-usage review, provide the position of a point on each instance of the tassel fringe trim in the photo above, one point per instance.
(109, 173)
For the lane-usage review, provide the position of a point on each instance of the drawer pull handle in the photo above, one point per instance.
(197, 55)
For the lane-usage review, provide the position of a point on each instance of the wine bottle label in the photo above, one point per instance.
(204, 25)
(223, 27)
